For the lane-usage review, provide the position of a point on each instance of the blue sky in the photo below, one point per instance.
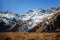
(19, 6)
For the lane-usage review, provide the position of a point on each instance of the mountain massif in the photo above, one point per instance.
(35, 20)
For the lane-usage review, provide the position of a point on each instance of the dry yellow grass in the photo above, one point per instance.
(29, 36)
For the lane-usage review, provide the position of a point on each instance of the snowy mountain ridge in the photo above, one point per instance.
(34, 16)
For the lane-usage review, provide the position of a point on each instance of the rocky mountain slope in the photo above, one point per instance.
(52, 26)
(36, 20)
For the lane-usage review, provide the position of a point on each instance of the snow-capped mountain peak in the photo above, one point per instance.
(32, 17)
(35, 17)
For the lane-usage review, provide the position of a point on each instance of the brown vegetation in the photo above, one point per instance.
(29, 36)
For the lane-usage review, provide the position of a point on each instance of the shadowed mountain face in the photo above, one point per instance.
(36, 20)
(4, 27)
